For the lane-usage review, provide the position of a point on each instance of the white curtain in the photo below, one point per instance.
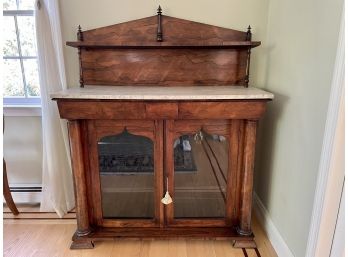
(57, 187)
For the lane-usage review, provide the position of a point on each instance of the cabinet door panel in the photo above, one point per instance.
(200, 176)
(200, 161)
(128, 167)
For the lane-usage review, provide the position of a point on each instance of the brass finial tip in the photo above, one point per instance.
(159, 10)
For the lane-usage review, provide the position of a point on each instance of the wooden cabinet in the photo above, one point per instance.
(177, 117)
(122, 169)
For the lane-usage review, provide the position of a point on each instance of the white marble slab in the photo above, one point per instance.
(163, 93)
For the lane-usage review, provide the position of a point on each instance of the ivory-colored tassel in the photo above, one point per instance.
(167, 199)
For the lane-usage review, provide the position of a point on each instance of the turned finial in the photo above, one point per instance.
(79, 34)
(159, 24)
(159, 10)
(248, 34)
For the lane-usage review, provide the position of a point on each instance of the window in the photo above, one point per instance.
(21, 78)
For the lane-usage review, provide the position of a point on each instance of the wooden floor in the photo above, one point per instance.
(33, 234)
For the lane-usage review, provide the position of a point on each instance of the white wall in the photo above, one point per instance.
(301, 49)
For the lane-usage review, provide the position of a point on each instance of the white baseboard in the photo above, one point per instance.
(26, 197)
(271, 230)
(25, 193)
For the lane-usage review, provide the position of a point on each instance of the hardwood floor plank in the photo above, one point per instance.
(15, 239)
(52, 244)
(103, 248)
(202, 248)
(219, 249)
(39, 221)
(35, 215)
(158, 248)
(177, 248)
(145, 248)
(122, 248)
(230, 251)
(52, 237)
(251, 253)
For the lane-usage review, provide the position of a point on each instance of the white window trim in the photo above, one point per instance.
(21, 106)
(22, 110)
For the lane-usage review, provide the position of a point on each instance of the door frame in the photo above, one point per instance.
(331, 175)
(150, 129)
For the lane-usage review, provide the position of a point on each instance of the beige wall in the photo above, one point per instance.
(23, 150)
(301, 48)
(295, 62)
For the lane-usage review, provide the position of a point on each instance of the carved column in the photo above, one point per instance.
(79, 176)
(247, 178)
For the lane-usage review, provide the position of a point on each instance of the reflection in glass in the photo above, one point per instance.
(126, 172)
(200, 176)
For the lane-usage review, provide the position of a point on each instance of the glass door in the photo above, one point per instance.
(199, 166)
(200, 175)
(127, 166)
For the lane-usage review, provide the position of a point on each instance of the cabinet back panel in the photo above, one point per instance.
(164, 67)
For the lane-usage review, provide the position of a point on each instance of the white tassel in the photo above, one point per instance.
(167, 199)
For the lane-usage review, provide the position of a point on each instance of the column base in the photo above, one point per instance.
(243, 232)
(83, 232)
(81, 245)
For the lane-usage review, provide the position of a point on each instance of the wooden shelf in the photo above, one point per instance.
(163, 45)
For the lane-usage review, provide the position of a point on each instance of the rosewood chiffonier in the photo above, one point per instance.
(162, 131)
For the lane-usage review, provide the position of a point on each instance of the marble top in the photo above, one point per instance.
(163, 93)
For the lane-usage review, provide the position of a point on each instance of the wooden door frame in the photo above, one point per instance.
(231, 131)
(150, 129)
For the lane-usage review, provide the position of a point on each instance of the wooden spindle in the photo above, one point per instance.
(247, 72)
(159, 24)
(80, 38)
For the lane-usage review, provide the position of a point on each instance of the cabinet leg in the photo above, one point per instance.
(79, 177)
(244, 227)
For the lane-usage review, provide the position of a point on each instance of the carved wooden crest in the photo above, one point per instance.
(165, 51)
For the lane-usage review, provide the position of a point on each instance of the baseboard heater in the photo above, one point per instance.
(26, 194)
(25, 189)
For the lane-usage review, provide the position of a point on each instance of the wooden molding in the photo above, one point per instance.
(327, 176)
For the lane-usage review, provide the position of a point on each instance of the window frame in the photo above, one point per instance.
(26, 100)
